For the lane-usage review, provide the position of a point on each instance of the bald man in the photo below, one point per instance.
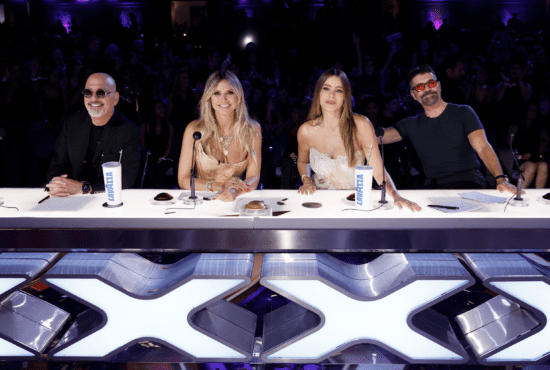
(89, 139)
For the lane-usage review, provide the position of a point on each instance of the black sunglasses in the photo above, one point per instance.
(100, 93)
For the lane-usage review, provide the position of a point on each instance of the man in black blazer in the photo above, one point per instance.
(89, 139)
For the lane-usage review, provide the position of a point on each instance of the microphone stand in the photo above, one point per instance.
(518, 201)
(193, 199)
(382, 203)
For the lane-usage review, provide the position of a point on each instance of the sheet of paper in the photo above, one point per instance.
(463, 206)
(483, 198)
(71, 203)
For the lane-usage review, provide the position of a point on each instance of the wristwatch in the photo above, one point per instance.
(502, 177)
(86, 187)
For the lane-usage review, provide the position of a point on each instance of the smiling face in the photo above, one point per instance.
(430, 95)
(224, 99)
(101, 107)
(332, 94)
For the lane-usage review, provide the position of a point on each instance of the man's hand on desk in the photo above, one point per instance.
(63, 187)
(504, 185)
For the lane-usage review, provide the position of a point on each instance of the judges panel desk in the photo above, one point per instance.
(140, 226)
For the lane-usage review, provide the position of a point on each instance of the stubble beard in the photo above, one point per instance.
(430, 99)
(95, 112)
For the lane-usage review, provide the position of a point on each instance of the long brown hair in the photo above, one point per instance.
(347, 124)
(245, 128)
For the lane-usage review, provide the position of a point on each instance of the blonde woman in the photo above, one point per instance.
(230, 144)
(334, 140)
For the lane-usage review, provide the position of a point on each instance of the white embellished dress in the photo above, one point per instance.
(333, 173)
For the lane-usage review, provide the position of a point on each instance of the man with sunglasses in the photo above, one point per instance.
(89, 139)
(446, 137)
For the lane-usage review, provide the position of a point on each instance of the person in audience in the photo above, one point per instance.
(157, 136)
(230, 143)
(531, 142)
(447, 138)
(334, 140)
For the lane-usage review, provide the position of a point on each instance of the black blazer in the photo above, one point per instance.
(71, 146)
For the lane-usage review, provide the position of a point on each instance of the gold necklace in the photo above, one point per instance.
(226, 141)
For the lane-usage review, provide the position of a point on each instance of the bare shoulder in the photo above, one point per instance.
(361, 120)
(307, 128)
(193, 126)
(362, 123)
(257, 128)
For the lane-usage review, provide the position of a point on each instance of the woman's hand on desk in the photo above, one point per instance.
(400, 202)
(307, 189)
(227, 195)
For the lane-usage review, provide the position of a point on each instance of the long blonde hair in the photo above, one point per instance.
(347, 124)
(245, 128)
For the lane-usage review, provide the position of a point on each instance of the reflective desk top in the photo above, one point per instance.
(140, 225)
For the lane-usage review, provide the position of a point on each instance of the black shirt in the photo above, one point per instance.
(442, 143)
(87, 171)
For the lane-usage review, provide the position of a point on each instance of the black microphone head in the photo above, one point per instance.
(197, 135)
(379, 132)
(512, 130)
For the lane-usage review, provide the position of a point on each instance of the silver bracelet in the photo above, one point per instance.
(208, 186)
(305, 175)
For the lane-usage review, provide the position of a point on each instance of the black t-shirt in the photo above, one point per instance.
(442, 143)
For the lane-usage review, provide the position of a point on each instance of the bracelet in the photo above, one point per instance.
(208, 186)
(305, 175)
(502, 177)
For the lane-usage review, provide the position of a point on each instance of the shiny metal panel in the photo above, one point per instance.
(506, 320)
(486, 313)
(228, 322)
(144, 280)
(500, 265)
(366, 281)
(408, 238)
(372, 281)
(29, 321)
(500, 332)
(29, 265)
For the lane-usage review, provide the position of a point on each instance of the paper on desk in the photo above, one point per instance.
(71, 203)
(483, 198)
(463, 206)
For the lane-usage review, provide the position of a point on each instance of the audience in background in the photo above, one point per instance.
(499, 70)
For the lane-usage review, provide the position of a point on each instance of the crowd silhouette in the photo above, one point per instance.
(500, 70)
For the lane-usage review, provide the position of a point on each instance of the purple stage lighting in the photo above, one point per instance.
(65, 19)
(436, 14)
(506, 13)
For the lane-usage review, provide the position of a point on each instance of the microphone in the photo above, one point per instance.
(383, 203)
(512, 131)
(518, 201)
(193, 199)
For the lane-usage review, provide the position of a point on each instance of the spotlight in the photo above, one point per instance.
(248, 39)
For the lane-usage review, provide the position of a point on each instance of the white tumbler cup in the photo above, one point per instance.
(363, 186)
(112, 175)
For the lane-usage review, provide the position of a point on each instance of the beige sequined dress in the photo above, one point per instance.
(210, 169)
(333, 173)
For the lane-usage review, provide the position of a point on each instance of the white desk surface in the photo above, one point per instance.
(138, 212)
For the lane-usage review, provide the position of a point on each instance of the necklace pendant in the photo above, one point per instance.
(225, 152)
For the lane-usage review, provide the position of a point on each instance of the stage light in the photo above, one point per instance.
(247, 40)
(436, 14)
